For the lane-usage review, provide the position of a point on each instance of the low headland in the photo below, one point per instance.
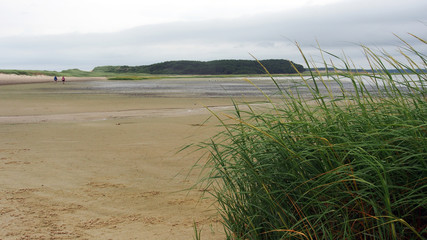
(217, 67)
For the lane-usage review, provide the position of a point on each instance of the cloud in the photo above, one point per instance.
(338, 27)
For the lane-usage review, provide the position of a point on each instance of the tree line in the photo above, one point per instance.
(216, 67)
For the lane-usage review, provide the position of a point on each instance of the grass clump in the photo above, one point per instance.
(347, 164)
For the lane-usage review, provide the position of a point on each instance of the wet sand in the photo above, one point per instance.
(101, 166)
(6, 79)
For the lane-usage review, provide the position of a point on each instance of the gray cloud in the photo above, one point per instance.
(338, 28)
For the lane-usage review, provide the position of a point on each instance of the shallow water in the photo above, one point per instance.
(205, 87)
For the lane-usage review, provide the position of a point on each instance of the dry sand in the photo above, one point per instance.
(100, 166)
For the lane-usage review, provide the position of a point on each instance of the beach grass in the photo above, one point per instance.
(346, 164)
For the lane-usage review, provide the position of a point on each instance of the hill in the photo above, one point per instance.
(216, 67)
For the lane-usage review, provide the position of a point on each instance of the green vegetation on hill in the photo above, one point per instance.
(28, 72)
(217, 67)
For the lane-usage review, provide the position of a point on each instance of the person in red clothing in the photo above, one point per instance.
(63, 79)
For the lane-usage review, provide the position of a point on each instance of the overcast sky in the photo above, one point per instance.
(64, 34)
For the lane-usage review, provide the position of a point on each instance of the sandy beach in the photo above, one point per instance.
(6, 79)
(100, 166)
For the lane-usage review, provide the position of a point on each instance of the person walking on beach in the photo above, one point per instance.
(55, 79)
(63, 79)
